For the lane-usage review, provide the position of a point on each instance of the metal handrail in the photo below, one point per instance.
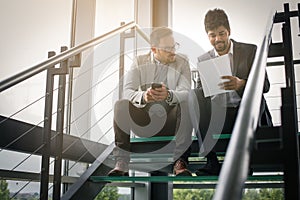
(15, 79)
(235, 167)
(63, 57)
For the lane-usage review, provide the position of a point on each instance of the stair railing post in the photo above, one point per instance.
(70, 88)
(60, 128)
(289, 116)
(123, 37)
(121, 62)
(47, 132)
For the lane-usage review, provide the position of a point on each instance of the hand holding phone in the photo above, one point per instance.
(156, 85)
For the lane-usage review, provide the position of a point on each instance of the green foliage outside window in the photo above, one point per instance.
(4, 192)
(193, 194)
(108, 193)
(264, 194)
(249, 194)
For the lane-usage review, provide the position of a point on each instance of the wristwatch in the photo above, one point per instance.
(169, 97)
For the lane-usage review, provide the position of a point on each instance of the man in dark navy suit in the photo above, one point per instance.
(218, 112)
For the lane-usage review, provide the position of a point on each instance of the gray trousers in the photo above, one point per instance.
(145, 122)
(211, 118)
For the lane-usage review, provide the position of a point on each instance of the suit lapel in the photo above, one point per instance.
(150, 69)
(171, 76)
(236, 57)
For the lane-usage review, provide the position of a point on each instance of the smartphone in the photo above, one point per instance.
(156, 85)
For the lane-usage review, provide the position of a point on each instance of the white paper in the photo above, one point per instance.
(211, 72)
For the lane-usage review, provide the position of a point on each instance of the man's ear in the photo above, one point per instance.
(153, 49)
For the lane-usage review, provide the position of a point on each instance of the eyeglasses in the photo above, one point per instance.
(170, 49)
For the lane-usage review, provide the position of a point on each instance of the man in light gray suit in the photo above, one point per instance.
(218, 112)
(156, 89)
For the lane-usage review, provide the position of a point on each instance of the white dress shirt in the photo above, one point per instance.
(228, 99)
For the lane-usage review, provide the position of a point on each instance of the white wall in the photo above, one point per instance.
(29, 29)
(109, 14)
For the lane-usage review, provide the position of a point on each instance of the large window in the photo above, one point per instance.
(109, 14)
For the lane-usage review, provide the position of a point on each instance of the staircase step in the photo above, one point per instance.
(146, 145)
(164, 156)
(213, 185)
(172, 138)
(161, 166)
(178, 178)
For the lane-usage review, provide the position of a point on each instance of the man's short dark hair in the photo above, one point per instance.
(216, 18)
(159, 33)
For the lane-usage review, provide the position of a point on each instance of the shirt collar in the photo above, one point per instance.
(153, 59)
(156, 61)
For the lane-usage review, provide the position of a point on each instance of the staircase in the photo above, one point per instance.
(273, 156)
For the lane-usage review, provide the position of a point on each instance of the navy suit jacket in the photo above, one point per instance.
(243, 57)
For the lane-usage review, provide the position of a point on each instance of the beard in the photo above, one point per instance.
(171, 58)
(220, 46)
(168, 59)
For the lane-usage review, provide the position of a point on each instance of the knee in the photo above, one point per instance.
(121, 105)
(196, 96)
(174, 112)
(198, 93)
(193, 96)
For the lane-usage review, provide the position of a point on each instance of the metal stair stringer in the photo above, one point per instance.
(84, 188)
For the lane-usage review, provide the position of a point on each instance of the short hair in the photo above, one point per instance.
(159, 33)
(216, 18)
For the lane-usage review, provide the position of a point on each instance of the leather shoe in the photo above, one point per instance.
(212, 167)
(121, 169)
(180, 168)
(116, 172)
(250, 171)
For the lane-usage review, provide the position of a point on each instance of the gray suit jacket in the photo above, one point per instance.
(243, 57)
(141, 75)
